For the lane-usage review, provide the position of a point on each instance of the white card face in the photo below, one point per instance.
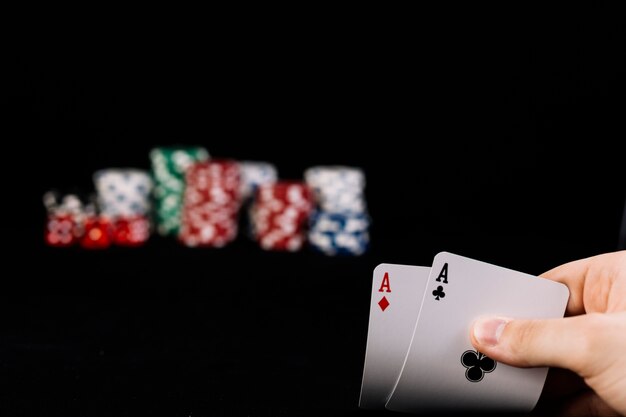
(397, 292)
(439, 373)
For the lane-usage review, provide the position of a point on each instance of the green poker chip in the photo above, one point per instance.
(169, 165)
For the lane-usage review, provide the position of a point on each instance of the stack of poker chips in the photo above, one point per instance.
(169, 165)
(340, 223)
(124, 200)
(211, 204)
(280, 214)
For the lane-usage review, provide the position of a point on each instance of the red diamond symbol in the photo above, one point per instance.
(383, 303)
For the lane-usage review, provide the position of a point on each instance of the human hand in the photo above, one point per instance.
(591, 341)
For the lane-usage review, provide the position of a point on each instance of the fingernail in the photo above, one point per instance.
(488, 330)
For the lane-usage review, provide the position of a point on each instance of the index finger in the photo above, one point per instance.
(589, 281)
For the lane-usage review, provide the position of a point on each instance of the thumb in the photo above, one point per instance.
(524, 343)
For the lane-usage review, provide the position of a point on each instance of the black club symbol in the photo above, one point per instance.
(477, 365)
(438, 293)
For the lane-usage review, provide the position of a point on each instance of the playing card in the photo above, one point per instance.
(397, 292)
(442, 371)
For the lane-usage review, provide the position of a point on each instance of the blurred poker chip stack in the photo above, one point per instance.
(210, 204)
(124, 200)
(280, 215)
(340, 224)
(65, 219)
(169, 165)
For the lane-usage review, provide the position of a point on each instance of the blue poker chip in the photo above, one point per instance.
(339, 244)
(336, 234)
(323, 221)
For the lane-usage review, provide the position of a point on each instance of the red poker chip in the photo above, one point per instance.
(214, 173)
(210, 204)
(290, 192)
(208, 234)
(280, 215)
(275, 240)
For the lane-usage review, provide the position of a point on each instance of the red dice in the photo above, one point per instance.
(61, 230)
(131, 231)
(97, 233)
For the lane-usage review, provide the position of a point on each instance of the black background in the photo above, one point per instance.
(490, 138)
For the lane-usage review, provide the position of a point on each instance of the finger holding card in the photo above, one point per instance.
(441, 370)
(397, 292)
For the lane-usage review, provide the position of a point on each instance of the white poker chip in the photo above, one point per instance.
(329, 177)
(337, 189)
